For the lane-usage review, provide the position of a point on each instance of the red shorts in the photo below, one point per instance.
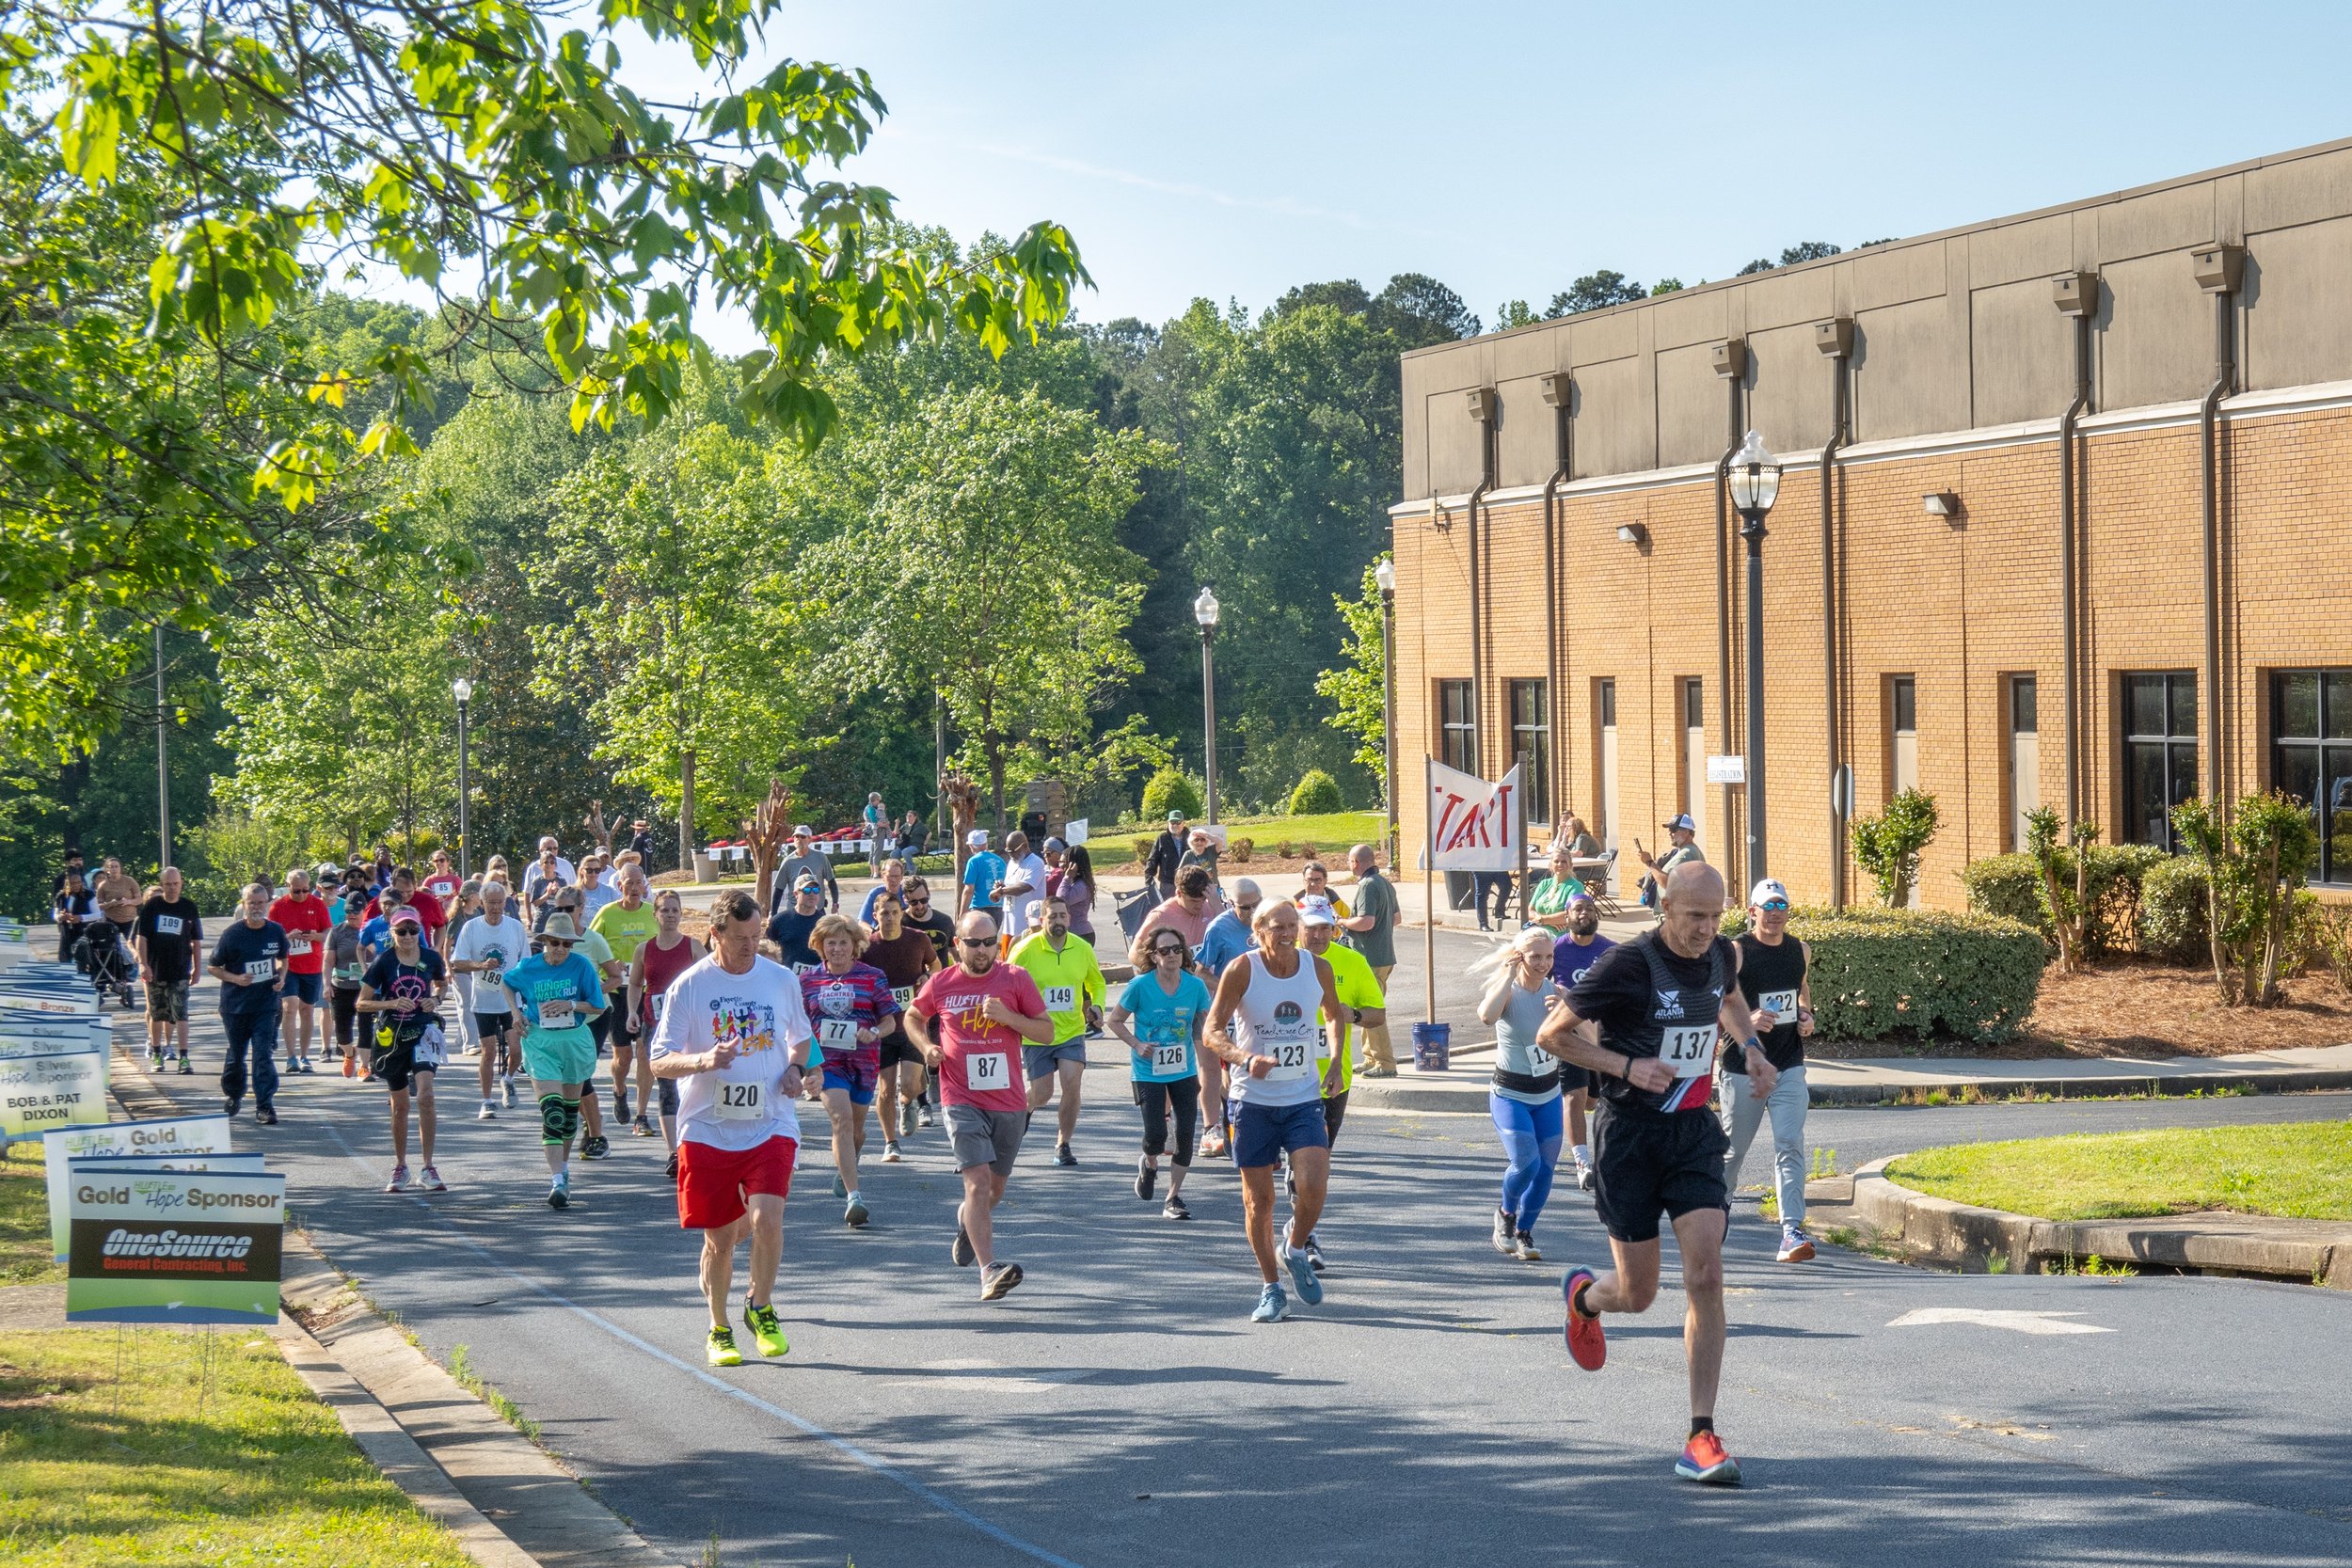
(713, 1183)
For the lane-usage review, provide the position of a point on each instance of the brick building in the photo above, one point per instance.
(2017, 414)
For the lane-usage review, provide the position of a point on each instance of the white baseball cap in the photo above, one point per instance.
(1315, 909)
(801, 831)
(1770, 888)
(977, 838)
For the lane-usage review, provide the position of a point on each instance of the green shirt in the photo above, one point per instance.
(1352, 977)
(1552, 894)
(625, 930)
(1067, 980)
(1376, 899)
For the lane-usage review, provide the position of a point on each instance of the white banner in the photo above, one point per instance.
(49, 1093)
(1474, 825)
(1074, 831)
(164, 1138)
(72, 1006)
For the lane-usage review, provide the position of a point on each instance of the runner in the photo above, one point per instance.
(1774, 979)
(1572, 956)
(1662, 1002)
(1315, 881)
(491, 943)
(1159, 866)
(409, 983)
(558, 992)
(1264, 1023)
(543, 876)
(661, 960)
(906, 958)
(249, 961)
(625, 924)
(465, 908)
(894, 882)
(1363, 1005)
(441, 880)
(595, 890)
(939, 927)
(1158, 1017)
(850, 1005)
(981, 1010)
(303, 916)
(1372, 931)
(119, 896)
(1524, 1098)
(733, 1029)
(598, 953)
(796, 923)
(1071, 981)
(983, 876)
(347, 966)
(805, 860)
(1224, 939)
(429, 910)
(170, 933)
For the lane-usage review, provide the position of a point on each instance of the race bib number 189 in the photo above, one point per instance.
(989, 1069)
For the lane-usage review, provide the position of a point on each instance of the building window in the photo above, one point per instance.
(2024, 758)
(1694, 757)
(2311, 757)
(2159, 753)
(1902, 728)
(1605, 760)
(1457, 727)
(1531, 745)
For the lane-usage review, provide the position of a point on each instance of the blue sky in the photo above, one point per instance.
(1231, 151)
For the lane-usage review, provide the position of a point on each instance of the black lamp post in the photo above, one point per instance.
(462, 689)
(1204, 612)
(1385, 574)
(1755, 479)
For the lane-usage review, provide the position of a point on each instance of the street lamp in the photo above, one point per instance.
(462, 689)
(1204, 612)
(1385, 574)
(1754, 478)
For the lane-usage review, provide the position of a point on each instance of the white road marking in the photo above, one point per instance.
(2021, 1323)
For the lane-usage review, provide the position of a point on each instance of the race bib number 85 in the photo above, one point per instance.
(989, 1069)
(1689, 1049)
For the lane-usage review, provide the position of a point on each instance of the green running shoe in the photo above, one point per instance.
(766, 1331)
(722, 1350)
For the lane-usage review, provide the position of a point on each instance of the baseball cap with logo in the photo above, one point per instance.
(1681, 821)
(1765, 891)
(1315, 909)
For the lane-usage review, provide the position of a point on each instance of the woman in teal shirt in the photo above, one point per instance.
(1548, 905)
(1159, 1016)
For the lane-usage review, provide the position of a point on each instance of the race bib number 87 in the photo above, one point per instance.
(989, 1069)
(1689, 1049)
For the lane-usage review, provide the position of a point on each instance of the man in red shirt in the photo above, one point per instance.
(970, 1021)
(429, 910)
(304, 917)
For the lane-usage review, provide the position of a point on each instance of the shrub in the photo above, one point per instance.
(2256, 855)
(2172, 911)
(1240, 849)
(1171, 790)
(1887, 845)
(2011, 887)
(2331, 940)
(1317, 795)
(1881, 973)
(1143, 850)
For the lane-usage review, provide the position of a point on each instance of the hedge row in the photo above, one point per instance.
(1881, 973)
(2010, 886)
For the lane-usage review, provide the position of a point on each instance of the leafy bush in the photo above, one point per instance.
(1317, 795)
(1171, 790)
(1887, 845)
(1240, 850)
(1881, 973)
(2011, 887)
(2331, 940)
(2256, 855)
(2172, 911)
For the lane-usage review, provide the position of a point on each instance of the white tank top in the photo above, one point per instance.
(1276, 1019)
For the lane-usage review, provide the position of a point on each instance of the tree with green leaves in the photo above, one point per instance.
(1357, 690)
(1595, 290)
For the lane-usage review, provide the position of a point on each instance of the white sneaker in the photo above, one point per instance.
(490, 1110)
(399, 1182)
(890, 1152)
(429, 1180)
(510, 1091)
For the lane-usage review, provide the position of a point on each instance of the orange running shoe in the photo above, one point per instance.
(351, 1062)
(1704, 1461)
(1587, 1346)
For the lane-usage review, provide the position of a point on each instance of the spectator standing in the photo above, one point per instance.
(1161, 865)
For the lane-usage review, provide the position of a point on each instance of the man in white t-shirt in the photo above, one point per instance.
(735, 1036)
(493, 942)
(1024, 886)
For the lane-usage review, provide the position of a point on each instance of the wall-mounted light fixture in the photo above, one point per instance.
(1632, 533)
(1940, 503)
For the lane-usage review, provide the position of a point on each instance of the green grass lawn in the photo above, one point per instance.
(1330, 834)
(24, 1255)
(2298, 1170)
(150, 1470)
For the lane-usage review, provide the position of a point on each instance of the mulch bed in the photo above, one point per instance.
(2129, 1007)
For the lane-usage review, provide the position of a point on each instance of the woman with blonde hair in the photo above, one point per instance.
(1524, 1097)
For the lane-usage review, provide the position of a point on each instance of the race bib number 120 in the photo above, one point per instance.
(737, 1102)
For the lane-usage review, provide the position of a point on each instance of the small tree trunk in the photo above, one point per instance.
(2281, 914)
(686, 810)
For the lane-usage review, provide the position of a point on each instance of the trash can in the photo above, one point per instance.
(1460, 889)
(1432, 1047)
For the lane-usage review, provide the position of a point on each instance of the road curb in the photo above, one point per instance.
(1965, 1237)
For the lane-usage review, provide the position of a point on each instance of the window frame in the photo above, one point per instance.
(2131, 742)
(1452, 731)
(1536, 758)
(2332, 870)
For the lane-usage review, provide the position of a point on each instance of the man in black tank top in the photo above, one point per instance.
(1773, 978)
(1661, 1006)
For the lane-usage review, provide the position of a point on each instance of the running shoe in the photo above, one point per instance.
(186, 1066)
(490, 1110)
(1706, 1461)
(669, 1170)
(766, 1331)
(1062, 1155)
(508, 1088)
(154, 1058)
(265, 1116)
(1526, 1248)
(906, 1119)
(351, 1062)
(309, 1067)
(1272, 1305)
(595, 1148)
(961, 1251)
(399, 1182)
(1303, 1276)
(620, 1105)
(230, 1104)
(927, 1115)
(1795, 1245)
(1583, 1177)
(641, 1127)
(854, 1215)
(559, 1193)
(840, 1188)
(1588, 1347)
(890, 1151)
(720, 1350)
(1175, 1208)
(1506, 1240)
(429, 1180)
(1147, 1176)
(998, 1279)
(1212, 1141)
(1314, 1251)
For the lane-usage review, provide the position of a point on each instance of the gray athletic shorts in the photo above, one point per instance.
(990, 1138)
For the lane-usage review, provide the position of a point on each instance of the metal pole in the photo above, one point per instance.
(1428, 888)
(939, 752)
(1752, 530)
(1387, 715)
(464, 835)
(1208, 713)
(163, 763)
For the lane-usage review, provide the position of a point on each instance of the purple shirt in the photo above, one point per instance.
(861, 998)
(1569, 961)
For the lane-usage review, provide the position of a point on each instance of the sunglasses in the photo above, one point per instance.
(977, 941)
(1168, 952)
(1774, 906)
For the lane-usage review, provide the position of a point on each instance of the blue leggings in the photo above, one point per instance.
(1530, 1139)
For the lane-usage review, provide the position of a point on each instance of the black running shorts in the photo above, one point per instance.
(1650, 1162)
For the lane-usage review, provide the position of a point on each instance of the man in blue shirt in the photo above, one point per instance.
(1572, 956)
(983, 874)
(1228, 936)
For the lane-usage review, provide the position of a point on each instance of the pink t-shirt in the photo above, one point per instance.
(982, 1062)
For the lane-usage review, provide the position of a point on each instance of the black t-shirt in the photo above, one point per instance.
(391, 979)
(940, 928)
(259, 951)
(1637, 992)
(1767, 969)
(173, 930)
(790, 932)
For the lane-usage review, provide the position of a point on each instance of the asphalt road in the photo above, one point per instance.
(1119, 1409)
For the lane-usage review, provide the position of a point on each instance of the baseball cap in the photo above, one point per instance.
(800, 829)
(1765, 891)
(1682, 819)
(1175, 816)
(1055, 844)
(977, 838)
(1315, 909)
(805, 883)
(405, 915)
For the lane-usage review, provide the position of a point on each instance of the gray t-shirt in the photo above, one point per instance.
(1515, 1042)
(1376, 897)
(813, 865)
(1688, 854)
